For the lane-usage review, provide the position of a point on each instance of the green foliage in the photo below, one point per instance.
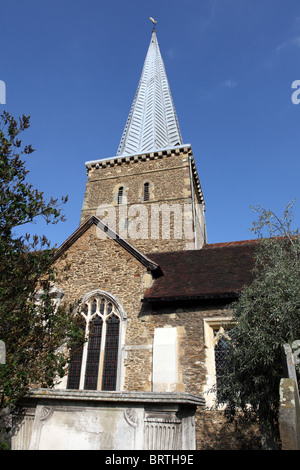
(37, 332)
(20, 203)
(266, 316)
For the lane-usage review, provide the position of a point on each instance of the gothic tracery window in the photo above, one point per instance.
(95, 366)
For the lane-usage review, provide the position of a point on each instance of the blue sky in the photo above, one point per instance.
(74, 66)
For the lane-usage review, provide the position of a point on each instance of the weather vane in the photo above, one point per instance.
(153, 21)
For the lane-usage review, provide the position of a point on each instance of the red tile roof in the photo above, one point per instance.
(216, 270)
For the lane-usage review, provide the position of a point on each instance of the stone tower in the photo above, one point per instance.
(149, 193)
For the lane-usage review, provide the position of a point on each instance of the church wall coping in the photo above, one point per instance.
(117, 397)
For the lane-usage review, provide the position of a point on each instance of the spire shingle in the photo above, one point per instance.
(152, 122)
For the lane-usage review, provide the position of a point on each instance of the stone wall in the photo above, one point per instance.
(289, 415)
(169, 177)
(212, 430)
(93, 263)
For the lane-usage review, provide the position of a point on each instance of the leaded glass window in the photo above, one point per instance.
(74, 371)
(93, 354)
(95, 366)
(111, 354)
(221, 349)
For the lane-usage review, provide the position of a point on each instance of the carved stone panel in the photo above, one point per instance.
(162, 431)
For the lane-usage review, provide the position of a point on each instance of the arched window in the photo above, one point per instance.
(146, 192)
(95, 367)
(120, 195)
(217, 347)
(221, 349)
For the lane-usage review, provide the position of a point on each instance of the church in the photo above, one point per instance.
(156, 294)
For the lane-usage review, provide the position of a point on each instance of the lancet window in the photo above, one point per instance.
(120, 195)
(217, 346)
(146, 192)
(221, 349)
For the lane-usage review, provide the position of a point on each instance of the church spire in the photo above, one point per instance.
(152, 122)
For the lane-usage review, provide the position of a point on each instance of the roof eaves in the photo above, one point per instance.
(227, 295)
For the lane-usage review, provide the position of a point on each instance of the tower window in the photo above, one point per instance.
(120, 195)
(95, 366)
(146, 192)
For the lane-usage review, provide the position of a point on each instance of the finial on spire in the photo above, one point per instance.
(153, 21)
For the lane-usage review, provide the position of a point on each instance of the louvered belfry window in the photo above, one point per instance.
(95, 366)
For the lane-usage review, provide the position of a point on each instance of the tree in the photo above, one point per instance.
(266, 316)
(37, 332)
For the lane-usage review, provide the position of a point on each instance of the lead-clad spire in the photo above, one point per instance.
(152, 122)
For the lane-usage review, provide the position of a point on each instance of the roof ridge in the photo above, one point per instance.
(207, 246)
(231, 244)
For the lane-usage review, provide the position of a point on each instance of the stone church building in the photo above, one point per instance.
(156, 293)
